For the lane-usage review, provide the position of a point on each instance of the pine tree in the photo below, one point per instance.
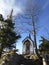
(44, 46)
(8, 36)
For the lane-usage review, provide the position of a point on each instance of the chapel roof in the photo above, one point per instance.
(28, 38)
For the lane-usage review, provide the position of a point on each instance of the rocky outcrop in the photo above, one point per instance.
(12, 58)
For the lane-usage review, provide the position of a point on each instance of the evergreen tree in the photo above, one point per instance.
(44, 46)
(8, 36)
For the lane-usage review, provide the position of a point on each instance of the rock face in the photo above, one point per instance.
(15, 59)
(11, 59)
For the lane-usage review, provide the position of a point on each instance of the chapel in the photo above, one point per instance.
(28, 48)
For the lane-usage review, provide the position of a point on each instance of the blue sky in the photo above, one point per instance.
(18, 9)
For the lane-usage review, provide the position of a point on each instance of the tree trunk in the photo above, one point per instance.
(44, 59)
(35, 43)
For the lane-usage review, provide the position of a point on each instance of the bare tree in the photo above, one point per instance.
(29, 18)
(34, 13)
